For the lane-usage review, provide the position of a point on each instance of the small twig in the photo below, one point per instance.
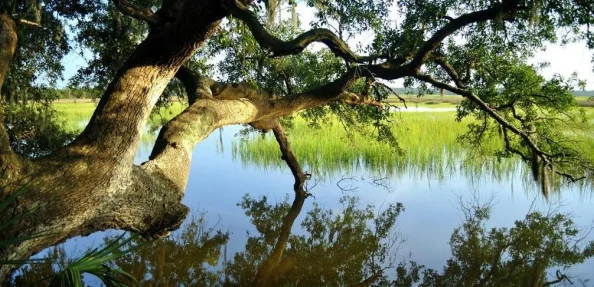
(344, 188)
(393, 92)
(27, 22)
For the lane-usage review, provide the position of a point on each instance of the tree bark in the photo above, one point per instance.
(91, 184)
(9, 164)
(8, 44)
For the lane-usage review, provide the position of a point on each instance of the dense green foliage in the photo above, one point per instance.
(34, 130)
(42, 45)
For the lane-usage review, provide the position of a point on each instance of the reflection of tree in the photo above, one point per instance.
(352, 247)
(186, 258)
(336, 248)
(36, 275)
(523, 255)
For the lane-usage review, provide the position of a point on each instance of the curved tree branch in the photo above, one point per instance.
(542, 163)
(143, 14)
(295, 46)
(172, 151)
(505, 11)
(450, 71)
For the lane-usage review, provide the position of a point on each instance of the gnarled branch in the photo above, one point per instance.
(486, 108)
(449, 69)
(539, 160)
(295, 46)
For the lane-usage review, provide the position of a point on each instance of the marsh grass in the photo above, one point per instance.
(75, 115)
(429, 142)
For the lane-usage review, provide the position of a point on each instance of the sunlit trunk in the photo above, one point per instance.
(92, 184)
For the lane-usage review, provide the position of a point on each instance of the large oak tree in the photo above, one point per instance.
(476, 49)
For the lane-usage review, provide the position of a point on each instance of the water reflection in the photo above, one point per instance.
(335, 240)
(354, 246)
(186, 258)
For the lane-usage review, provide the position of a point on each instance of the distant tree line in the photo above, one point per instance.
(79, 93)
(420, 91)
(40, 94)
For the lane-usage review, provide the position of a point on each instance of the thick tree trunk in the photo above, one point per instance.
(8, 43)
(9, 165)
(92, 184)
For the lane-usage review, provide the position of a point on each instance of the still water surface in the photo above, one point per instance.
(219, 178)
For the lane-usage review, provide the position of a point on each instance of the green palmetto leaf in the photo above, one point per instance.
(94, 263)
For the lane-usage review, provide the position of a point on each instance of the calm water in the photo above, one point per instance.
(219, 179)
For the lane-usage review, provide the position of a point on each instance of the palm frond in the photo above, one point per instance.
(94, 263)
